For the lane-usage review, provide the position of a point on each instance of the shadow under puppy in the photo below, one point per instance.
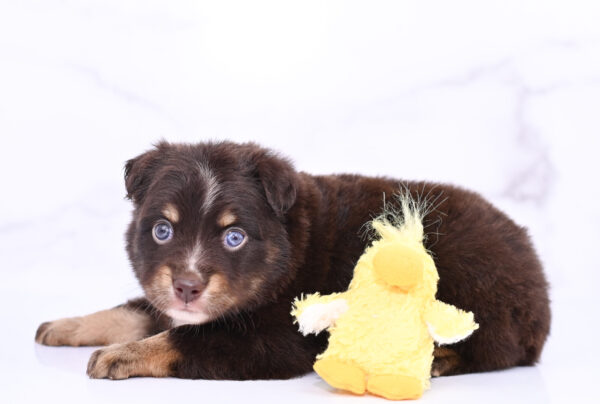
(224, 236)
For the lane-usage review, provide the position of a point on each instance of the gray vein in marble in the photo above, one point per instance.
(534, 180)
(126, 95)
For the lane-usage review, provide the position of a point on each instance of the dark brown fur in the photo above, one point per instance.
(305, 235)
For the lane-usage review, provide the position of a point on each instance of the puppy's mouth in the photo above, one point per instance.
(187, 315)
(189, 312)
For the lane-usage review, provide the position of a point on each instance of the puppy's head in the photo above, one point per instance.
(207, 236)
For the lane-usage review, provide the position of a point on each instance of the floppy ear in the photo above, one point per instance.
(139, 174)
(279, 179)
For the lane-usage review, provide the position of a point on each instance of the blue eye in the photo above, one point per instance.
(162, 232)
(234, 238)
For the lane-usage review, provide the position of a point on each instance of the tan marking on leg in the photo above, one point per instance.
(445, 361)
(102, 328)
(152, 356)
(226, 219)
(171, 213)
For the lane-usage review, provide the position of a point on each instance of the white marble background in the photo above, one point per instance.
(499, 96)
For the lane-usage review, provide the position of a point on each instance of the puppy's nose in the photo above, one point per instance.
(188, 290)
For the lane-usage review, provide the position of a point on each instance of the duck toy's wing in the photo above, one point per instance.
(448, 324)
(315, 313)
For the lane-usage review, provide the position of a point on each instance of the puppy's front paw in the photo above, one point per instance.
(152, 356)
(114, 362)
(445, 362)
(59, 332)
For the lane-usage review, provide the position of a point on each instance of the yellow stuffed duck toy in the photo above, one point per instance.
(383, 328)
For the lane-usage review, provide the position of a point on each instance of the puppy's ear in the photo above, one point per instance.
(139, 173)
(279, 179)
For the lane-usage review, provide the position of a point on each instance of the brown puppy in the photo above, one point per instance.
(224, 236)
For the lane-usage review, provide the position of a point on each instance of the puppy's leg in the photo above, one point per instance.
(154, 356)
(446, 361)
(129, 322)
(213, 351)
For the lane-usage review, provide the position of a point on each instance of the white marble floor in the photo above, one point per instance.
(501, 97)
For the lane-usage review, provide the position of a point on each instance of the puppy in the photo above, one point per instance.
(224, 236)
